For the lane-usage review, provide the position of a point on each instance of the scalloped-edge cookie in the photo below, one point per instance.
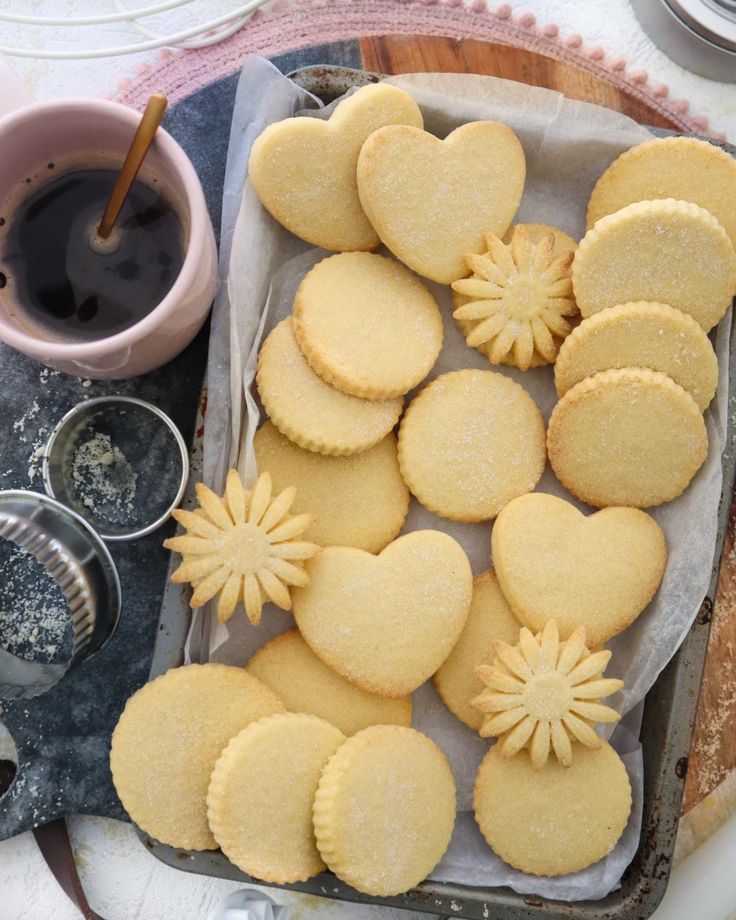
(664, 251)
(260, 796)
(684, 168)
(304, 683)
(469, 442)
(303, 169)
(386, 622)
(490, 618)
(556, 820)
(167, 740)
(359, 500)
(599, 571)
(629, 436)
(643, 334)
(429, 224)
(309, 411)
(385, 810)
(367, 325)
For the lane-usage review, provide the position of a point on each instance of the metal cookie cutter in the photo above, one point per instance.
(80, 563)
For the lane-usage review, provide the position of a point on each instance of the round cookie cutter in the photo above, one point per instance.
(81, 564)
(120, 463)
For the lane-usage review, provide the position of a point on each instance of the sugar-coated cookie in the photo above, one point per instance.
(626, 437)
(490, 618)
(385, 809)
(469, 442)
(367, 325)
(652, 335)
(556, 820)
(386, 622)
(684, 168)
(430, 224)
(260, 797)
(167, 740)
(358, 500)
(303, 169)
(304, 683)
(309, 411)
(537, 232)
(666, 251)
(599, 571)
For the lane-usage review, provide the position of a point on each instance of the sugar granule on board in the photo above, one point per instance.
(104, 480)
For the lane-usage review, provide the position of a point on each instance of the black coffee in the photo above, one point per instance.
(66, 285)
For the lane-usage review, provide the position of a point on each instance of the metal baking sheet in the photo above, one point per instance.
(666, 733)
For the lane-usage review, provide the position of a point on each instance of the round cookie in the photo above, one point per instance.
(626, 437)
(469, 442)
(359, 500)
(309, 411)
(652, 335)
(167, 740)
(367, 325)
(664, 251)
(304, 683)
(303, 169)
(555, 820)
(490, 618)
(385, 810)
(260, 797)
(684, 168)
(554, 563)
(386, 622)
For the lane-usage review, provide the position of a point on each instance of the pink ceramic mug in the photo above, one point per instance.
(85, 132)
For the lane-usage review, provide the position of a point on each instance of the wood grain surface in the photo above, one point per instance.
(714, 745)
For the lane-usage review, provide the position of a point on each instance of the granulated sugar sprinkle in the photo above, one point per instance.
(104, 480)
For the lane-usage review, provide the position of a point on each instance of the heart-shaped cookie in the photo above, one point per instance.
(553, 562)
(386, 622)
(303, 169)
(432, 201)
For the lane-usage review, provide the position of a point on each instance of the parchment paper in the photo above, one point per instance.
(568, 145)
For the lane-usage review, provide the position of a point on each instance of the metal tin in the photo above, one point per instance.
(81, 564)
(668, 720)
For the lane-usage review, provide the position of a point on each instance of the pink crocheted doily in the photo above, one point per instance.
(291, 26)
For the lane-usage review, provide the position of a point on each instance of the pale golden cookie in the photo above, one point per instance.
(684, 168)
(367, 325)
(652, 335)
(309, 411)
(518, 297)
(536, 233)
(543, 694)
(469, 442)
(303, 169)
(385, 810)
(626, 437)
(490, 618)
(360, 500)
(304, 683)
(664, 251)
(386, 622)
(430, 224)
(167, 740)
(556, 820)
(259, 802)
(598, 571)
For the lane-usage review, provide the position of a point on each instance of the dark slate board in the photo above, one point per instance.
(63, 736)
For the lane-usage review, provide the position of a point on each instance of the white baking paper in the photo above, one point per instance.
(567, 145)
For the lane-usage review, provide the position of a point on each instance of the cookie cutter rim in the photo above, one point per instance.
(82, 407)
(76, 557)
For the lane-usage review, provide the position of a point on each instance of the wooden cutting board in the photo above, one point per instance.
(714, 745)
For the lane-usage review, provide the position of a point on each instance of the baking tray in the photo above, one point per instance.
(666, 732)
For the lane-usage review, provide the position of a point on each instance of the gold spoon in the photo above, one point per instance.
(137, 151)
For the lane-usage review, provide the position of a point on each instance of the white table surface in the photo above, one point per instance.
(122, 880)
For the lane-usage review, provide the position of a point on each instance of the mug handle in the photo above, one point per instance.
(13, 92)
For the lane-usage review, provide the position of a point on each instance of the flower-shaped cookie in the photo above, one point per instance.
(543, 692)
(520, 294)
(243, 547)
